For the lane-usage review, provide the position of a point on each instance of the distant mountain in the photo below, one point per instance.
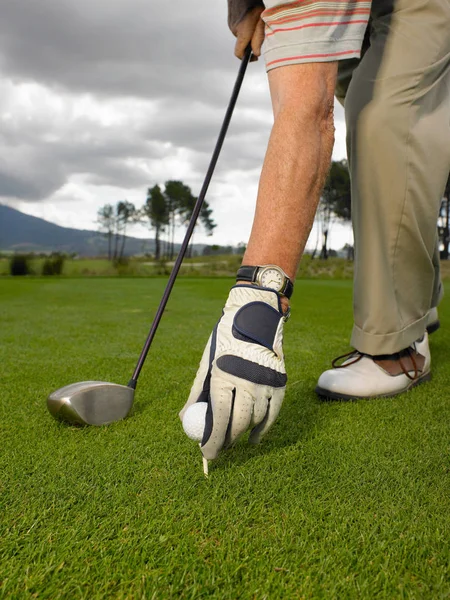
(23, 233)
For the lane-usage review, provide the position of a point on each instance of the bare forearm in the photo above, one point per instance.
(295, 166)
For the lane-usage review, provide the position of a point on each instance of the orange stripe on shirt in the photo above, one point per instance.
(289, 5)
(325, 24)
(322, 13)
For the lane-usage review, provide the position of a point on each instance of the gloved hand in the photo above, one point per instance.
(250, 29)
(241, 374)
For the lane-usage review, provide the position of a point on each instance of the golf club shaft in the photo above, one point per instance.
(195, 213)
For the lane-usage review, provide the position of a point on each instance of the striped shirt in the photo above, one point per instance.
(308, 30)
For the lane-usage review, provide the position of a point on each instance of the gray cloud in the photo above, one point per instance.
(28, 174)
(177, 62)
(39, 157)
(25, 188)
(199, 124)
(118, 48)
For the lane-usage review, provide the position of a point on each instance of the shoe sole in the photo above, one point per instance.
(327, 395)
(432, 327)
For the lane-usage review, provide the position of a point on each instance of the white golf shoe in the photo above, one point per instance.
(364, 376)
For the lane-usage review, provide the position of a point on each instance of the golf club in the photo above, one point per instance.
(99, 402)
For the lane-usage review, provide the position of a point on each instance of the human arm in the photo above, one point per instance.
(294, 171)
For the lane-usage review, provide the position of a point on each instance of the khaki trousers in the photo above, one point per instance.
(397, 107)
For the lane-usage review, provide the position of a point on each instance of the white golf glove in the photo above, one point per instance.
(242, 375)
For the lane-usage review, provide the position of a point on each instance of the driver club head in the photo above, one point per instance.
(91, 403)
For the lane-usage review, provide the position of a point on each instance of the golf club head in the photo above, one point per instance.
(91, 403)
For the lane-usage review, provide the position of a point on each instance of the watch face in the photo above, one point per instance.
(272, 278)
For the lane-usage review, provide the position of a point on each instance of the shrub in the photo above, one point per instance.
(161, 267)
(122, 265)
(53, 265)
(20, 265)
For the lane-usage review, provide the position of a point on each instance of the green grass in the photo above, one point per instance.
(342, 500)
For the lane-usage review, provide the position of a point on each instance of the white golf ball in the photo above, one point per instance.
(194, 421)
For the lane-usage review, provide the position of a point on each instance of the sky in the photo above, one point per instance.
(102, 99)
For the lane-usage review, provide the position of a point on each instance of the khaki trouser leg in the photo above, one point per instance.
(398, 133)
(345, 74)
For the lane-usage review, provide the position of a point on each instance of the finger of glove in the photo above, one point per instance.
(241, 416)
(273, 410)
(261, 405)
(258, 38)
(222, 394)
(202, 373)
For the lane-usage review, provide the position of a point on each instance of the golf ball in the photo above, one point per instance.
(194, 421)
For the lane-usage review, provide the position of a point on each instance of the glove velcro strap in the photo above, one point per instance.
(251, 371)
(257, 323)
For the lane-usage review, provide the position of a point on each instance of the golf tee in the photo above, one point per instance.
(205, 466)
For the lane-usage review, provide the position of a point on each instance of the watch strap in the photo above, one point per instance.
(289, 288)
(247, 273)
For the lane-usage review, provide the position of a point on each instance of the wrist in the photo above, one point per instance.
(284, 305)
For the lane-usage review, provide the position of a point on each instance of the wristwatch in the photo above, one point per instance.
(268, 276)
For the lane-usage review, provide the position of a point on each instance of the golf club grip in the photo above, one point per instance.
(193, 220)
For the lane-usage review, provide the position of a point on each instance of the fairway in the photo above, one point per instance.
(341, 500)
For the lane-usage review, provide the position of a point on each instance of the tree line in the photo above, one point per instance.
(170, 207)
(165, 209)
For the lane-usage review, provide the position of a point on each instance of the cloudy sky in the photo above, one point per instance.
(101, 99)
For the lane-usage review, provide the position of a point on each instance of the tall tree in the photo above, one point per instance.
(106, 223)
(114, 220)
(325, 219)
(156, 210)
(178, 197)
(335, 201)
(126, 214)
(206, 219)
(205, 216)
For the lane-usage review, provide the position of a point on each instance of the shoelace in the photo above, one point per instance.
(358, 356)
(397, 356)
